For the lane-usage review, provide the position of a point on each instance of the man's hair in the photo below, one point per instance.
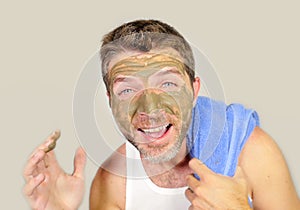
(143, 36)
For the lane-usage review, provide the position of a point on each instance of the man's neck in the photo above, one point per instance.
(170, 174)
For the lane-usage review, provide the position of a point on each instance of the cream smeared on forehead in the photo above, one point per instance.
(126, 54)
(144, 66)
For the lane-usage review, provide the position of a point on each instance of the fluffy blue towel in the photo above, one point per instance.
(218, 133)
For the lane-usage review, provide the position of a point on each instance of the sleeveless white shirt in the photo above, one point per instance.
(143, 194)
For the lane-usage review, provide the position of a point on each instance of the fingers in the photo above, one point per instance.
(79, 163)
(193, 183)
(52, 143)
(191, 197)
(189, 194)
(32, 184)
(197, 188)
(200, 168)
(32, 164)
(49, 144)
(196, 203)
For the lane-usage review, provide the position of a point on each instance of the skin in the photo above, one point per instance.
(224, 194)
(55, 136)
(262, 173)
(268, 188)
(215, 191)
(47, 185)
(156, 94)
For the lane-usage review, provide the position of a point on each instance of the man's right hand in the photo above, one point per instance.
(47, 185)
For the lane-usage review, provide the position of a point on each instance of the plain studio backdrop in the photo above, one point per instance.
(254, 46)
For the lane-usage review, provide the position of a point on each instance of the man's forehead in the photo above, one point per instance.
(170, 52)
(146, 65)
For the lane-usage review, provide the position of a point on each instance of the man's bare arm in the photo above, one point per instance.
(268, 174)
(108, 190)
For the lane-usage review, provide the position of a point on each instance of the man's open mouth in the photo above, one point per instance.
(156, 132)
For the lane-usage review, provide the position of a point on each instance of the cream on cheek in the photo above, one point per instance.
(160, 108)
(184, 99)
(120, 113)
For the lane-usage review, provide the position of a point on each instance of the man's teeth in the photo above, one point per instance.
(155, 130)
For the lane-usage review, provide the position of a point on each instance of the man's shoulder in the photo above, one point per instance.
(255, 149)
(108, 191)
(115, 166)
(258, 143)
(109, 185)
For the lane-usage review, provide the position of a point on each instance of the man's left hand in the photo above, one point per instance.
(215, 191)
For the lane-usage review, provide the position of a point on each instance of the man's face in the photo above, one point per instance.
(151, 99)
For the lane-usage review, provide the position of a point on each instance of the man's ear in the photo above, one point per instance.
(109, 99)
(196, 89)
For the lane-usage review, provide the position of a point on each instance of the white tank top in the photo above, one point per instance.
(143, 194)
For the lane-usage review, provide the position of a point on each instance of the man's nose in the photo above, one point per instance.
(152, 118)
(147, 106)
(149, 102)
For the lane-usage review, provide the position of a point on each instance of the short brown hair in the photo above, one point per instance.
(143, 36)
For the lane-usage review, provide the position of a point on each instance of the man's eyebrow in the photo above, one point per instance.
(122, 79)
(168, 70)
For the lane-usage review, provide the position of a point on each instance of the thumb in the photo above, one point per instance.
(240, 177)
(79, 163)
(199, 168)
(239, 173)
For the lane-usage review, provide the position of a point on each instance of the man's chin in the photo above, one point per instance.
(157, 159)
(159, 155)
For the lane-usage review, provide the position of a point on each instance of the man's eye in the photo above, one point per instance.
(168, 84)
(125, 92)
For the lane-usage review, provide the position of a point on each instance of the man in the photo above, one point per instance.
(148, 70)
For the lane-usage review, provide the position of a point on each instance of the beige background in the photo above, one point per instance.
(254, 46)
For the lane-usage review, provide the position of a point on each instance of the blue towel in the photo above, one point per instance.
(218, 133)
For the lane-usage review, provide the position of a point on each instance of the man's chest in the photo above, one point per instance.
(172, 178)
